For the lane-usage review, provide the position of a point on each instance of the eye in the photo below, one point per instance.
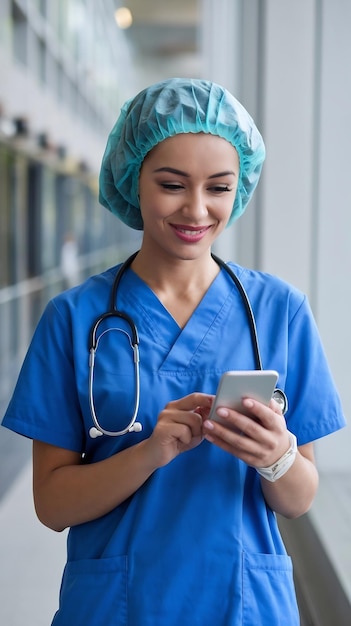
(221, 188)
(171, 186)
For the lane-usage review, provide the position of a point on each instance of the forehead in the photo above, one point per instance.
(190, 145)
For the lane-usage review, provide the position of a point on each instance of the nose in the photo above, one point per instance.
(195, 205)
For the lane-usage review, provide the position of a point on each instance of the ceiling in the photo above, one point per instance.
(164, 35)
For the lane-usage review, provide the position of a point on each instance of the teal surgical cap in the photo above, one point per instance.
(169, 108)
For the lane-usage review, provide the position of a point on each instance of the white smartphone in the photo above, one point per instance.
(236, 385)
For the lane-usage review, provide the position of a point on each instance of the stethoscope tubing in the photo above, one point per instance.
(97, 429)
(113, 311)
(249, 311)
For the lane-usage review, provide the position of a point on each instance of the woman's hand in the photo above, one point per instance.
(179, 427)
(260, 438)
(68, 492)
(257, 436)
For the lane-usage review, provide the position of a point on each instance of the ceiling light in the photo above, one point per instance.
(123, 17)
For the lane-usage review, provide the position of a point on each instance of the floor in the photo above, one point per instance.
(32, 558)
(331, 516)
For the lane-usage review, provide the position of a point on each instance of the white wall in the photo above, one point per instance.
(333, 253)
(288, 64)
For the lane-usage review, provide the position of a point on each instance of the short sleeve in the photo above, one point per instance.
(45, 403)
(314, 403)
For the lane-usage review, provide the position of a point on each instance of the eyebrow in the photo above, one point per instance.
(225, 173)
(172, 170)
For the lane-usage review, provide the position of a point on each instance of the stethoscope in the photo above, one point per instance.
(133, 426)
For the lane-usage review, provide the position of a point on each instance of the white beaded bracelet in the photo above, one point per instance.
(280, 467)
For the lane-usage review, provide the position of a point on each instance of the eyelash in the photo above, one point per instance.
(216, 188)
(220, 188)
(171, 186)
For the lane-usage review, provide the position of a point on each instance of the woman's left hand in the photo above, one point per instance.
(258, 435)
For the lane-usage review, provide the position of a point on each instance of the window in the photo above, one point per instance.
(42, 7)
(40, 59)
(20, 34)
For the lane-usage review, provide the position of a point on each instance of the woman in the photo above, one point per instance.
(174, 523)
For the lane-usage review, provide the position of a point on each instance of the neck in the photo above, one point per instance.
(178, 274)
(180, 284)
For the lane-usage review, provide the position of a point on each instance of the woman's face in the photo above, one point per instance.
(187, 188)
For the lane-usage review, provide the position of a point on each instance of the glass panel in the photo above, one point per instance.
(17, 174)
(39, 54)
(34, 221)
(42, 61)
(4, 219)
(48, 220)
(12, 182)
(20, 34)
(42, 7)
(60, 82)
(62, 19)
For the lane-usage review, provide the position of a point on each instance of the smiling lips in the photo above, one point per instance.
(190, 234)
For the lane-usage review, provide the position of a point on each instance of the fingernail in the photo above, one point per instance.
(248, 403)
(222, 412)
(208, 424)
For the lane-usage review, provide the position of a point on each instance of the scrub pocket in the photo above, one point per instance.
(94, 592)
(268, 591)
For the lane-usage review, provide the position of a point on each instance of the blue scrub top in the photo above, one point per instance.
(196, 544)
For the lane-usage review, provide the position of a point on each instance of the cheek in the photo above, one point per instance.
(224, 208)
(154, 206)
(151, 210)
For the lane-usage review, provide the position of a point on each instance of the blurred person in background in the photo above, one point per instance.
(69, 261)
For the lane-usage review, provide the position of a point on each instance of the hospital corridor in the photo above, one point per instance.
(67, 67)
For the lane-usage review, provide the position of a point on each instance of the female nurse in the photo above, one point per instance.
(175, 523)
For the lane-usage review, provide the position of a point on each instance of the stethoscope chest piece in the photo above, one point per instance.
(280, 397)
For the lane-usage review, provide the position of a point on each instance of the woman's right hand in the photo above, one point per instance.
(68, 492)
(179, 427)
